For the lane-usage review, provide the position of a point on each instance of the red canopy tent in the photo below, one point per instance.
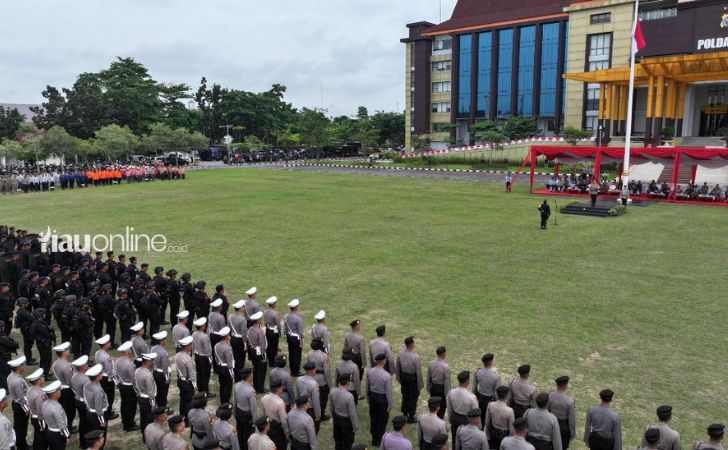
(610, 154)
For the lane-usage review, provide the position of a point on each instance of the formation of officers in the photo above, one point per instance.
(266, 400)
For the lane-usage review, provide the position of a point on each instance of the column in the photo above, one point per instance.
(670, 104)
(659, 107)
(623, 110)
(649, 113)
(680, 110)
(607, 111)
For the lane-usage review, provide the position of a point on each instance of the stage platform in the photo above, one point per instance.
(639, 200)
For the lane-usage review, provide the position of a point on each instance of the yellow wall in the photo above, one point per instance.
(579, 28)
(444, 97)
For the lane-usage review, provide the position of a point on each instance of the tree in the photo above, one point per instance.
(10, 121)
(521, 127)
(572, 134)
(490, 133)
(391, 128)
(421, 141)
(10, 150)
(314, 127)
(57, 141)
(162, 137)
(211, 114)
(115, 142)
(33, 151)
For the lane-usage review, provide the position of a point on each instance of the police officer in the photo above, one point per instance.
(251, 304)
(162, 371)
(18, 391)
(257, 351)
(220, 294)
(354, 344)
(188, 298)
(669, 439)
(8, 347)
(379, 395)
(430, 425)
(154, 434)
(160, 288)
(522, 394)
(106, 314)
(320, 332)
(438, 379)
(307, 385)
(273, 328)
(543, 427)
(278, 372)
(203, 355)
(174, 440)
(174, 295)
(459, 402)
(343, 411)
(225, 364)
(63, 371)
(545, 211)
(238, 337)
(138, 344)
(203, 436)
(499, 418)
(715, 433)
(275, 409)
(36, 397)
(23, 321)
(380, 345)
(603, 427)
(301, 426)
(126, 314)
(409, 375)
(470, 436)
(125, 369)
(346, 367)
(293, 328)
(186, 375)
(215, 323)
(245, 407)
(517, 441)
(156, 308)
(485, 382)
(180, 330)
(201, 300)
(146, 390)
(96, 401)
(103, 358)
(57, 433)
(78, 382)
(83, 326)
(562, 406)
(224, 431)
(323, 374)
(44, 339)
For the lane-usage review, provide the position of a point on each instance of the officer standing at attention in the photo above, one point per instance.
(7, 433)
(522, 394)
(293, 328)
(459, 402)
(562, 406)
(44, 339)
(343, 410)
(715, 433)
(154, 434)
(18, 391)
(301, 427)
(409, 375)
(545, 211)
(256, 339)
(125, 380)
(603, 427)
(107, 364)
(430, 425)
(180, 330)
(499, 418)
(36, 397)
(485, 382)
(470, 436)
(238, 336)
(649, 439)
(146, 390)
(438, 379)
(543, 427)
(225, 365)
(203, 355)
(669, 439)
(320, 332)
(186, 376)
(225, 432)
(354, 344)
(347, 368)
(174, 439)
(395, 439)
(246, 409)
(518, 440)
(215, 322)
(379, 395)
(323, 374)
(162, 371)
(63, 372)
(273, 328)
(203, 436)
(278, 372)
(307, 385)
(138, 344)
(260, 440)
(96, 400)
(274, 408)
(57, 433)
(379, 345)
(251, 304)
(78, 381)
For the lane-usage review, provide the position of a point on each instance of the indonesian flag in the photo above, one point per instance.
(638, 39)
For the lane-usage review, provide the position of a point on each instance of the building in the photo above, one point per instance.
(566, 62)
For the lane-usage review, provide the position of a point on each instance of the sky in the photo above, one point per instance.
(350, 46)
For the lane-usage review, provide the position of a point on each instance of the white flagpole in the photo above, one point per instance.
(630, 101)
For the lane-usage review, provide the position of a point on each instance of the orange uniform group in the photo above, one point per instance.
(103, 176)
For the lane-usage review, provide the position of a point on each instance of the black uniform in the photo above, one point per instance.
(23, 321)
(8, 346)
(545, 211)
(126, 315)
(44, 338)
(173, 298)
(83, 325)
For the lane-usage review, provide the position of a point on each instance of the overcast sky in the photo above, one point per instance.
(352, 46)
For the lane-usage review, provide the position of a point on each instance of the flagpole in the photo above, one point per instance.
(630, 101)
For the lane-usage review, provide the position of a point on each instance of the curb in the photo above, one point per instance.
(425, 169)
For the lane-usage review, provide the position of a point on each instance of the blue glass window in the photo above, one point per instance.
(549, 69)
(485, 49)
(526, 55)
(466, 56)
(505, 65)
(565, 69)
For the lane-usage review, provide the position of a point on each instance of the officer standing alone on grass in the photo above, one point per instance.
(603, 427)
(545, 211)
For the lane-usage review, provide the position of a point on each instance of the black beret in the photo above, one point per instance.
(93, 435)
(381, 329)
(346, 356)
(158, 411)
(524, 369)
(441, 350)
(439, 440)
(652, 435)
(219, 287)
(463, 376)
(606, 395)
(562, 380)
(344, 378)
(246, 372)
(434, 401)
(145, 264)
(409, 340)
(301, 400)
(501, 390)
(664, 409)
(276, 383)
(487, 357)
(261, 421)
(520, 424)
(380, 357)
(716, 430)
(475, 412)
(354, 323)
(399, 421)
(309, 366)
(174, 420)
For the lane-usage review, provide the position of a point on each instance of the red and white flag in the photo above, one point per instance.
(638, 39)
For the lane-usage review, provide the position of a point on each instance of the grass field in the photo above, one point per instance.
(633, 303)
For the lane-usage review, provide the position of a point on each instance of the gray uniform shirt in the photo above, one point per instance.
(306, 385)
(354, 343)
(54, 416)
(320, 331)
(485, 382)
(139, 346)
(144, 384)
(260, 441)
(215, 322)
(429, 426)
(244, 398)
(348, 367)
(522, 393)
(470, 437)
(302, 428)
(271, 320)
(161, 362)
(669, 438)
(185, 367)
(544, 426)
(282, 375)
(257, 340)
(153, 436)
(125, 371)
(238, 326)
(107, 363)
(275, 409)
(179, 332)
(438, 372)
(173, 441)
(342, 403)
(604, 421)
(18, 390)
(408, 361)
(202, 432)
(201, 344)
(251, 307)
(63, 370)
(379, 381)
(224, 433)
(460, 401)
(36, 397)
(515, 443)
(96, 400)
(224, 356)
(78, 381)
(323, 368)
(562, 406)
(293, 326)
(501, 416)
(378, 346)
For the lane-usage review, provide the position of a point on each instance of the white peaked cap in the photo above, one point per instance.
(257, 316)
(17, 362)
(126, 346)
(48, 389)
(224, 331)
(216, 303)
(183, 315)
(252, 290)
(293, 303)
(159, 336)
(93, 371)
(137, 326)
(239, 304)
(82, 361)
(199, 322)
(272, 300)
(320, 315)
(149, 356)
(35, 375)
(185, 341)
(62, 347)
(103, 339)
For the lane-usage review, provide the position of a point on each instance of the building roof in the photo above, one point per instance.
(23, 108)
(473, 14)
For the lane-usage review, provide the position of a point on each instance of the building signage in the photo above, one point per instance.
(698, 27)
(713, 43)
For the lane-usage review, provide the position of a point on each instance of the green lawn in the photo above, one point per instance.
(633, 303)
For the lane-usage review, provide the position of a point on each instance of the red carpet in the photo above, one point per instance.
(640, 197)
